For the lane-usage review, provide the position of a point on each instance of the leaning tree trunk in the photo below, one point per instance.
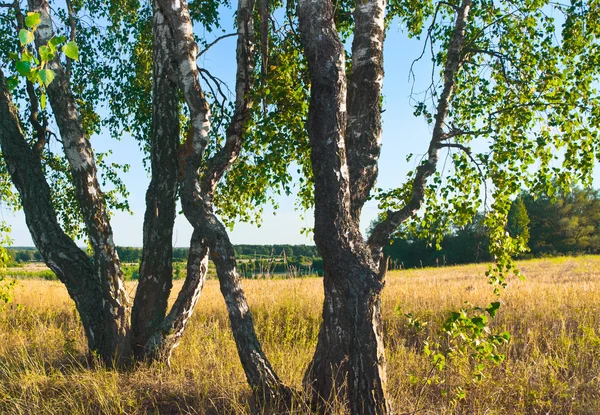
(200, 178)
(114, 344)
(71, 265)
(349, 359)
(166, 336)
(265, 384)
(156, 269)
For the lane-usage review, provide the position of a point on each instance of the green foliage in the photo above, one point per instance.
(276, 142)
(466, 336)
(30, 64)
(6, 287)
(33, 67)
(565, 222)
(518, 221)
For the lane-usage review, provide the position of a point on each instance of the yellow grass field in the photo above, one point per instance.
(552, 364)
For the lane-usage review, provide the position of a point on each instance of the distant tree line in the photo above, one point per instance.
(559, 224)
(131, 254)
(565, 223)
(253, 259)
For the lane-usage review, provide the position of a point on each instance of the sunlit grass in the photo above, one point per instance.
(552, 365)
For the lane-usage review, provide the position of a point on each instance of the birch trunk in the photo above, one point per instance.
(349, 359)
(156, 269)
(71, 265)
(115, 342)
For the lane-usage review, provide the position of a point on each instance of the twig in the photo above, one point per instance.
(214, 42)
(72, 37)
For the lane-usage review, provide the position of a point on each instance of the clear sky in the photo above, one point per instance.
(402, 134)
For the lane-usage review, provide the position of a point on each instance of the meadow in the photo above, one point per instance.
(552, 361)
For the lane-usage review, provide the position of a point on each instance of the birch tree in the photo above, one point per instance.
(120, 329)
(506, 75)
(502, 81)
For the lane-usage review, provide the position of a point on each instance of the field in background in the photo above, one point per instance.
(552, 365)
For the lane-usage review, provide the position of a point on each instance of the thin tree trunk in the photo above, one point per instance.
(156, 270)
(166, 337)
(80, 155)
(261, 377)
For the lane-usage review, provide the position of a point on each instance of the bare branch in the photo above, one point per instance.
(214, 42)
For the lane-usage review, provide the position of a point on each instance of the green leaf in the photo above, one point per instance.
(43, 100)
(55, 41)
(23, 67)
(32, 20)
(46, 53)
(71, 50)
(12, 82)
(46, 76)
(493, 308)
(32, 76)
(27, 56)
(25, 36)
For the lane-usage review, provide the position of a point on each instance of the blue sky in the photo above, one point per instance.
(402, 134)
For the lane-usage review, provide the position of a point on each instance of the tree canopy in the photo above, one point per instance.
(512, 104)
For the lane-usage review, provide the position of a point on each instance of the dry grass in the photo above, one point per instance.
(552, 365)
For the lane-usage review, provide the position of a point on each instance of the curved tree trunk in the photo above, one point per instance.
(79, 153)
(166, 337)
(71, 265)
(200, 178)
(156, 269)
(261, 377)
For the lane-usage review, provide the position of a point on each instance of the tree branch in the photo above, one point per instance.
(214, 42)
(226, 156)
(384, 230)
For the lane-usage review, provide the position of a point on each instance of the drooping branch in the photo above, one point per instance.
(80, 155)
(263, 12)
(384, 230)
(34, 104)
(73, 27)
(363, 131)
